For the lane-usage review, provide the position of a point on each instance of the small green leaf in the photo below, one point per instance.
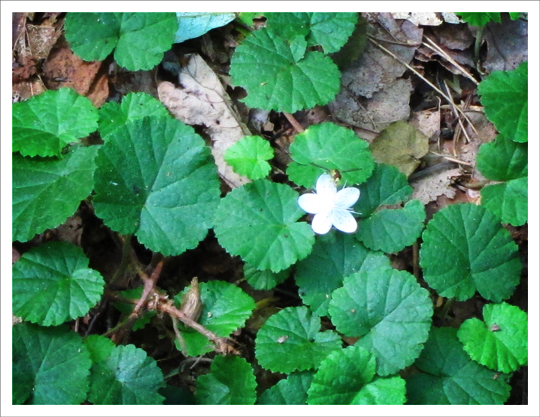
(47, 191)
(335, 256)
(289, 391)
(126, 376)
(451, 377)
(134, 106)
(230, 382)
(508, 201)
(265, 66)
(328, 146)
(504, 95)
(194, 24)
(45, 124)
(346, 376)
(500, 342)
(50, 365)
(53, 284)
(99, 347)
(291, 341)
(247, 17)
(480, 18)
(225, 309)
(258, 222)
(248, 157)
(389, 311)
(465, 249)
(157, 179)
(140, 39)
(264, 280)
(392, 230)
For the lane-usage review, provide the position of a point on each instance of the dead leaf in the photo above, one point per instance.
(428, 122)
(507, 44)
(420, 18)
(203, 101)
(400, 144)
(430, 187)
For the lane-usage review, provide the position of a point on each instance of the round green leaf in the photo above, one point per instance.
(53, 284)
(47, 191)
(50, 365)
(134, 106)
(508, 201)
(465, 249)
(248, 157)
(503, 159)
(194, 24)
(126, 376)
(291, 341)
(45, 124)
(500, 342)
(389, 311)
(480, 18)
(504, 95)
(225, 309)
(328, 146)
(264, 64)
(451, 376)
(264, 280)
(289, 391)
(140, 38)
(157, 179)
(258, 222)
(335, 256)
(392, 230)
(230, 382)
(346, 376)
(100, 347)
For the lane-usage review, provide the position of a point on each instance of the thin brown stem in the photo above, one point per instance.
(297, 126)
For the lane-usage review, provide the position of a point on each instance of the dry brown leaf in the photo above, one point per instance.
(428, 188)
(419, 18)
(203, 101)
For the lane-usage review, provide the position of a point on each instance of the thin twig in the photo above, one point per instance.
(297, 126)
(457, 161)
(454, 110)
(395, 42)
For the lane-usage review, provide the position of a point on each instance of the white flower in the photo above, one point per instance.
(330, 207)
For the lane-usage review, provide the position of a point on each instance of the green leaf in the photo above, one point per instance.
(500, 342)
(465, 249)
(248, 157)
(289, 391)
(346, 376)
(330, 30)
(45, 124)
(480, 18)
(392, 230)
(126, 376)
(50, 365)
(451, 377)
(140, 39)
(264, 64)
(258, 222)
(134, 106)
(157, 179)
(230, 382)
(264, 280)
(290, 340)
(127, 309)
(225, 309)
(508, 201)
(53, 284)
(247, 17)
(99, 347)
(328, 146)
(47, 191)
(335, 256)
(194, 24)
(504, 95)
(389, 311)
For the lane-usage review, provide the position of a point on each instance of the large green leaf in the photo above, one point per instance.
(508, 201)
(53, 284)
(157, 179)
(504, 95)
(451, 377)
(390, 313)
(50, 365)
(194, 24)
(465, 249)
(140, 39)
(45, 124)
(289, 391)
(278, 75)
(46, 191)
(480, 18)
(258, 222)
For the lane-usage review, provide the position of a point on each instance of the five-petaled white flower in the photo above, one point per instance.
(330, 207)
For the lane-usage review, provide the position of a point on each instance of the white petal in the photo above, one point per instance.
(344, 221)
(311, 203)
(326, 188)
(322, 223)
(346, 197)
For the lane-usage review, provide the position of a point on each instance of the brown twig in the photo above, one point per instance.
(297, 126)
(454, 110)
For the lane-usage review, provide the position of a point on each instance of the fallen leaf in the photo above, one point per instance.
(428, 122)
(203, 101)
(507, 44)
(420, 18)
(430, 187)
